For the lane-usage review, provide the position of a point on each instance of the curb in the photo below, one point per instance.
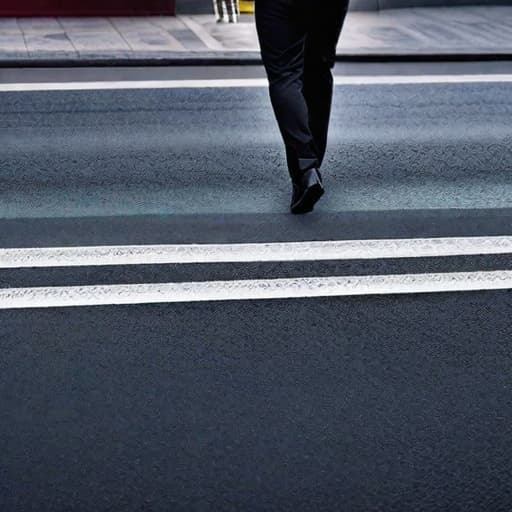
(237, 59)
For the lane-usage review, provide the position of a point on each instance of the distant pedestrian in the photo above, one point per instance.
(228, 7)
(298, 41)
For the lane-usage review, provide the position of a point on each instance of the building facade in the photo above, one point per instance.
(85, 7)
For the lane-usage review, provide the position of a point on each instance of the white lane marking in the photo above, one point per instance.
(239, 253)
(16, 298)
(247, 82)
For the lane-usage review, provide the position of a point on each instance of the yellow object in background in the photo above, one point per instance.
(246, 6)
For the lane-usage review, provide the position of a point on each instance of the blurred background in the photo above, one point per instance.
(47, 7)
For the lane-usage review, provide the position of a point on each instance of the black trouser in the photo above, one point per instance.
(298, 41)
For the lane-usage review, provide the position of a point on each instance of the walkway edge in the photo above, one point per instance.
(234, 59)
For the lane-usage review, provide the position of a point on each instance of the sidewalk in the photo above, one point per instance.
(418, 32)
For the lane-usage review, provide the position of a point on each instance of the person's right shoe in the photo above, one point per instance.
(307, 190)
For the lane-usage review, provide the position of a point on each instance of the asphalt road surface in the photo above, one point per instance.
(388, 402)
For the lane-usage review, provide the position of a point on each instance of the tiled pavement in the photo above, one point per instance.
(440, 30)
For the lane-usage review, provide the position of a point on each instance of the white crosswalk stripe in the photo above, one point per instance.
(254, 252)
(45, 297)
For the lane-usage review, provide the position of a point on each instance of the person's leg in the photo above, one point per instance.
(220, 9)
(323, 32)
(281, 31)
(230, 7)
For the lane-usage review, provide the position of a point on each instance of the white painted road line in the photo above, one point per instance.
(17, 298)
(256, 252)
(248, 82)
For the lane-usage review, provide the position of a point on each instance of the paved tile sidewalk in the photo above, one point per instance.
(440, 30)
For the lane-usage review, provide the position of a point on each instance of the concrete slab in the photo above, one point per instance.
(94, 35)
(45, 35)
(38, 24)
(141, 34)
(12, 43)
(9, 25)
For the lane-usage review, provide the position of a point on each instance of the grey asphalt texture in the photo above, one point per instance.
(385, 403)
(214, 151)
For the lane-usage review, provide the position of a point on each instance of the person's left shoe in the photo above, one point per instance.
(307, 190)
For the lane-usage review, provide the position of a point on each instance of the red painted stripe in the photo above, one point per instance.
(85, 7)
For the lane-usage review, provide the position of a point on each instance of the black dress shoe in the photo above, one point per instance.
(307, 190)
